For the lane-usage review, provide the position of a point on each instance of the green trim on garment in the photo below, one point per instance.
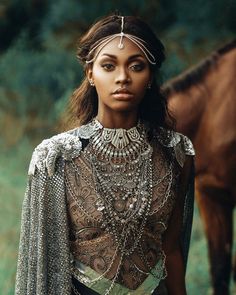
(103, 284)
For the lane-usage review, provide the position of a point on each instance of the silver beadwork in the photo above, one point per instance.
(44, 253)
(123, 181)
(180, 143)
(120, 137)
(66, 145)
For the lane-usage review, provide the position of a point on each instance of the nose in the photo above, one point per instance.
(123, 77)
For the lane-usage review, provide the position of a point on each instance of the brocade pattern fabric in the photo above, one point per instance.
(50, 233)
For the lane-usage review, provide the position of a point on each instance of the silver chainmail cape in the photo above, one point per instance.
(44, 262)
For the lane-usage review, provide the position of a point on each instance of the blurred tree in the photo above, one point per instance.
(18, 16)
(38, 66)
(39, 70)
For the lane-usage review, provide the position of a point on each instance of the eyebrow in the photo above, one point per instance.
(130, 57)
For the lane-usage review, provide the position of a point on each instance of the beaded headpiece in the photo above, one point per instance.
(100, 44)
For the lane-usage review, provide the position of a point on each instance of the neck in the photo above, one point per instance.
(122, 120)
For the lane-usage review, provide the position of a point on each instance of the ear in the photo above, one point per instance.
(89, 73)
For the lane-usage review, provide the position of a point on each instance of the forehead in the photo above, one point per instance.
(129, 49)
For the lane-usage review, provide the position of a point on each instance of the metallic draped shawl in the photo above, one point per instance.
(44, 254)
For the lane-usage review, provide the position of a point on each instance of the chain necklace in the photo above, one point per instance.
(122, 168)
(121, 162)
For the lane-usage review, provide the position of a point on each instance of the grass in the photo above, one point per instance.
(13, 171)
(198, 277)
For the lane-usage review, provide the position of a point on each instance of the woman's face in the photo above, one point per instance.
(120, 76)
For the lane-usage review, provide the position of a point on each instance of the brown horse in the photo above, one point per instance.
(203, 100)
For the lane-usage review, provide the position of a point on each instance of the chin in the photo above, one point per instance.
(124, 107)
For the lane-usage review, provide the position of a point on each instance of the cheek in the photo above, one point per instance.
(100, 74)
(101, 90)
(102, 81)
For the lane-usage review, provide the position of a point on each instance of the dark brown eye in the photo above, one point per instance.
(108, 66)
(137, 67)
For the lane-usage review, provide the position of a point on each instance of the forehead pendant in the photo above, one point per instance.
(121, 45)
(101, 43)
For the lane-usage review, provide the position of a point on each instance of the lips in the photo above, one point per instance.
(122, 93)
(122, 90)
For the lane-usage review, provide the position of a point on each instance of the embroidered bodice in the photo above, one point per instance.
(60, 170)
(94, 247)
(132, 252)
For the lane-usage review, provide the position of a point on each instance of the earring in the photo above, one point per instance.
(149, 86)
(91, 82)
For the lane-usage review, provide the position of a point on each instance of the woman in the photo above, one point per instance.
(107, 208)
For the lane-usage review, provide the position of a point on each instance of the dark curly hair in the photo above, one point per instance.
(84, 101)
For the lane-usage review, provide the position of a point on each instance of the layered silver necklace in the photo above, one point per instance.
(121, 163)
(122, 169)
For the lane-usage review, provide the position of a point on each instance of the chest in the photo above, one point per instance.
(121, 196)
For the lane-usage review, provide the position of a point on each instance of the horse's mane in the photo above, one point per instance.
(196, 73)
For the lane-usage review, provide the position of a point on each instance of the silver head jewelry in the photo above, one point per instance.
(100, 44)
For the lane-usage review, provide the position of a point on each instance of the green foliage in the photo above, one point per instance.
(31, 82)
(13, 170)
(204, 18)
(39, 70)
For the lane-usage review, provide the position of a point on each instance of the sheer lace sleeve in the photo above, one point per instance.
(183, 151)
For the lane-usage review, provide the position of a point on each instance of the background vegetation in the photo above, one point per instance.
(39, 70)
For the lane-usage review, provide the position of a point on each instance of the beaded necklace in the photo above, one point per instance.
(122, 169)
(121, 162)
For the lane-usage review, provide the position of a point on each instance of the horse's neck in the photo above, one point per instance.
(220, 110)
(211, 102)
(221, 80)
(187, 108)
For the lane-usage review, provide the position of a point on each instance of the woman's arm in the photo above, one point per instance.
(175, 280)
(44, 259)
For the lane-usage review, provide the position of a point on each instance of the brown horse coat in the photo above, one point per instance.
(203, 101)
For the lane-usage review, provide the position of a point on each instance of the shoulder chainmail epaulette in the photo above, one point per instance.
(44, 255)
(181, 144)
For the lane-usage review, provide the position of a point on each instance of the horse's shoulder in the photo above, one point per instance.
(67, 145)
(180, 144)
